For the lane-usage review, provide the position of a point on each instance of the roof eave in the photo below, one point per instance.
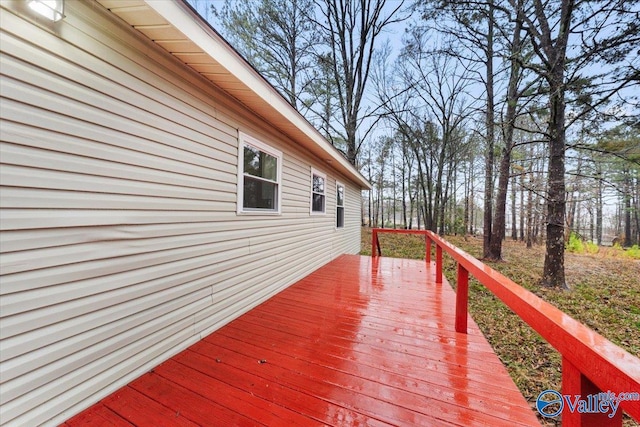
(189, 35)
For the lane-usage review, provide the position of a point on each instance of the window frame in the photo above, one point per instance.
(338, 206)
(315, 172)
(247, 140)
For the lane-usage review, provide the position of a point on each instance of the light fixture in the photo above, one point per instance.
(50, 9)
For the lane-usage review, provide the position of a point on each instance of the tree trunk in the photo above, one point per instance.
(489, 155)
(499, 218)
(404, 187)
(421, 184)
(395, 195)
(574, 202)
(591, 224)
(627, 208)
(465, 225)
(555, 58)
(514, 229)
(471, 207)
(553, 272)
(530, 216)
(404, 203)
(599, 204)
(418, 208)
(522, 211)
(381, 196)
(636, 209)
(370, 191)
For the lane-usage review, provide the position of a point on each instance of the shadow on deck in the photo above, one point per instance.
(361, 341)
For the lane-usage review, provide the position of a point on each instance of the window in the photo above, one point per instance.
(259, 176)
(339, 205)
(318, 187)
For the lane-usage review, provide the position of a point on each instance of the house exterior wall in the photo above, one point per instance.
(120, 239)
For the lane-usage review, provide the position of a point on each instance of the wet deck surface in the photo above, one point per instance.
(358, 342)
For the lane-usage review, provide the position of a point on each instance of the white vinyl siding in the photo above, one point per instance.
(120, 238)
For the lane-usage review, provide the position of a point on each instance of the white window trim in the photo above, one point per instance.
(244, 139)
(344, 203)
(324, 176)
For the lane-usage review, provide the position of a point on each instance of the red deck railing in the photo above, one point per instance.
(590, 363)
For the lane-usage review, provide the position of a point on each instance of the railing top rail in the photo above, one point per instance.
(401, 231)
(608, 366)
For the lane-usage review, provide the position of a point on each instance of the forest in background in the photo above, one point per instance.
(511, 119)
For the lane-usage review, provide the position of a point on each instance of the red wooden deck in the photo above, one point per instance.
(360, 341)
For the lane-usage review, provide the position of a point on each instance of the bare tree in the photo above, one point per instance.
(472, 24)
(439, 100)
(275, 36)
(351, 29)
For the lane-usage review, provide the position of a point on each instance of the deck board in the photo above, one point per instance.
(357, 342)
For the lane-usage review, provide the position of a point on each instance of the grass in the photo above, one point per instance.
(604, 295)
(577, 246)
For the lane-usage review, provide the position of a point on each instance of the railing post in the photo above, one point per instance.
(462, 299)
(374, 238)
(575, 384)
(427, 241)
(438, 263)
